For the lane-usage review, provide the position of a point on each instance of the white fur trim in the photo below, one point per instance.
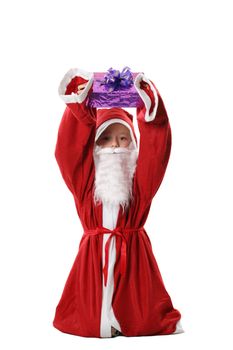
(108, 319)
(179, 328)
(145, 97)
(104, 126)
(73, 98)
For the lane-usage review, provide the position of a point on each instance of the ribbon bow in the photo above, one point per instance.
(118, 231)
(115, 80)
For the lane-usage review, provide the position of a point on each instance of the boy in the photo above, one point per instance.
(115, 286)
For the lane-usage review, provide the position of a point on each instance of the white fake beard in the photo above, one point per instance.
(114, 171)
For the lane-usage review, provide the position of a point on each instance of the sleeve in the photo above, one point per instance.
(155, 138)
(76, 134)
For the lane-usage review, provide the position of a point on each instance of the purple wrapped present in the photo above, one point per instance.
(114, 89)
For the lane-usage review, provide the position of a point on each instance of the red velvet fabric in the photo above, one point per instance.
(140, 301)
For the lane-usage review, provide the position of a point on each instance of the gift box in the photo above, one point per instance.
(114, 89)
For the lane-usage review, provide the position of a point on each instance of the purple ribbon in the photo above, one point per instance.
(115, 80)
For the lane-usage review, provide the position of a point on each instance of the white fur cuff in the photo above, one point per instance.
(73, 98)
(145, 97)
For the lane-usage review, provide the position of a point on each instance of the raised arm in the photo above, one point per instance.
(155, 139)
(76, 134)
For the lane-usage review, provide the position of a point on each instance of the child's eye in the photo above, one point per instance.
(123, 138)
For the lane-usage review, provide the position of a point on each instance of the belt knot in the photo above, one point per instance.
(120, 232)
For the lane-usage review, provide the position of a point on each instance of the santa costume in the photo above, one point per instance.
(115, 280)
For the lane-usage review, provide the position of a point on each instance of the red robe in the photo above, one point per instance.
(140, 301)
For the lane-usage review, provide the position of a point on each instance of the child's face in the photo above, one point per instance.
(116, 135)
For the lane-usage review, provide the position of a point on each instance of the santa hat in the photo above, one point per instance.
(106, 117)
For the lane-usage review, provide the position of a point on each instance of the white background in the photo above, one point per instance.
(185, 47)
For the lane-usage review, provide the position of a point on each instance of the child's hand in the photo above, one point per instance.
(81, 87)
